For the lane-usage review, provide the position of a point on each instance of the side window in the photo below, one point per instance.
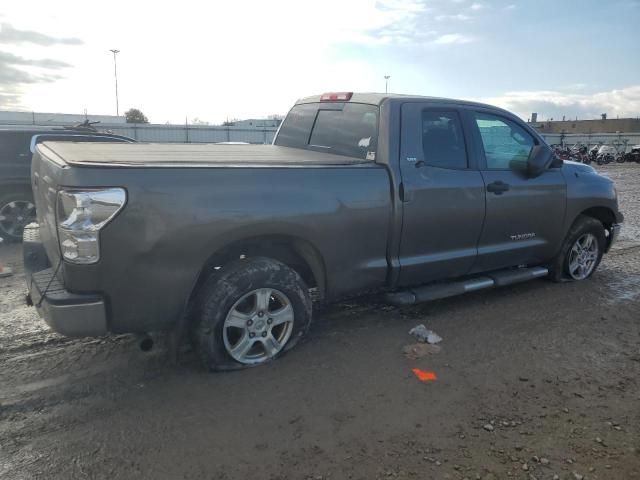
(442, 139)
(504, 141)
(15, 145)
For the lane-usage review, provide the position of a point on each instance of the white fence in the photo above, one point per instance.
(614, 139)
(51, 119)
(191, 133)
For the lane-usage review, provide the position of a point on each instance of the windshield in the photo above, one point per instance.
(349, 129)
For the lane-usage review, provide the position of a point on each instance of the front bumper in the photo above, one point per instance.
(71, 314)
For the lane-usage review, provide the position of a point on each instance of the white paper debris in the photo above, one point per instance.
(423, 334)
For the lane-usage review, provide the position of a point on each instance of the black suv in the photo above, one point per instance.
(16, 148)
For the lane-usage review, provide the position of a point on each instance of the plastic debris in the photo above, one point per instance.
(423, 334)
(424, 376)
(418, 350)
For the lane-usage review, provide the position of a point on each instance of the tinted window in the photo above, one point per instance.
(349, 129)
(296, 128)
(15, 145)
(442, 139)
(504, 141)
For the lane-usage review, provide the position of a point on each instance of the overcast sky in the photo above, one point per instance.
(251, 58)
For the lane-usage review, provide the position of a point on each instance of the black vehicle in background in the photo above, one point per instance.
(633, 155)
(17, 144)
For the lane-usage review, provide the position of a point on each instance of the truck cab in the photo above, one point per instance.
(466, 199)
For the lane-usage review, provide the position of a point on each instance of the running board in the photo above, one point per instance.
(499, 278)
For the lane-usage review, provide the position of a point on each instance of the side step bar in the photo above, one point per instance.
(499, 278)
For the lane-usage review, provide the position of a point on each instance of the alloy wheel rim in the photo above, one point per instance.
(583, 256)
(16, 215)
(258, 326)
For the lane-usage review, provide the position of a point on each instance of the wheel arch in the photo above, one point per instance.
(605, 216)
(295, 252)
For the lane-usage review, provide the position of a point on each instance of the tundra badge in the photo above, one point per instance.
(523, 236)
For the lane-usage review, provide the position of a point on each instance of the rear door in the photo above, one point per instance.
(524, 216)
(442, 192)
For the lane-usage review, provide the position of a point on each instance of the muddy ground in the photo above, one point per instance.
(533, 381)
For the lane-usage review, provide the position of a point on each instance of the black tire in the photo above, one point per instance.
(11, 226)
(224, 289)
(559, 267)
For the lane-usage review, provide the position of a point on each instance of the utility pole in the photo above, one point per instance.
(386, 83)
(115, 71)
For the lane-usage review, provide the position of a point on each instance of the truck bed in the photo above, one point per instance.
(188, 154)
(176, 219)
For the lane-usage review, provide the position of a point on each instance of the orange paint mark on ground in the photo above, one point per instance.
(424, 376)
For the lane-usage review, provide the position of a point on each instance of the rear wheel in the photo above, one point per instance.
(17, 210)
(251, 312)
(581, 251)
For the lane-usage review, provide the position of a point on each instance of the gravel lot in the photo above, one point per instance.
(533, 381)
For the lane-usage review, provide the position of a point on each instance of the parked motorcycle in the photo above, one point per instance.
(580, 154)
(593, 152)
(606, 155)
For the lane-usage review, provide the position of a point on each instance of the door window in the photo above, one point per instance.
(504, 141)
(442, 139)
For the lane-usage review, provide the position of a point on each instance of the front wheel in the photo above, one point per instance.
(581, 251)
(250, 313)
(17, 210)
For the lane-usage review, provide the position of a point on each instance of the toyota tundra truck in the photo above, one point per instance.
(415, 198)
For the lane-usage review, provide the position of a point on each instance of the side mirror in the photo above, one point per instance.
(540, 159)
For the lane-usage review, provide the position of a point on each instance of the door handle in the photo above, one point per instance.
(498, 187)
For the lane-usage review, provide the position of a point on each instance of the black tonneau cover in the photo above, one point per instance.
(186, 154)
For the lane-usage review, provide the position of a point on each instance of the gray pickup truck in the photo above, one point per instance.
(414, 197)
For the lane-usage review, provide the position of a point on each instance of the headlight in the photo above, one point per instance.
(81, 215)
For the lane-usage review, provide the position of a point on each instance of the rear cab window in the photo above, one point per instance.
(349, 129)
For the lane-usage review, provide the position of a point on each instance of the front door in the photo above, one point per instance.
(525, 216)
(443, 195)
